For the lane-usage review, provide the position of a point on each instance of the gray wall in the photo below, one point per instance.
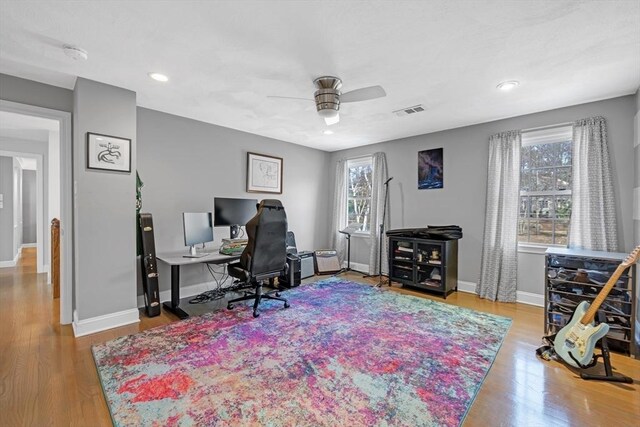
(462, 200)
(6, 213)
(29, 92)
(29, 200)
(104, 205)
(185, 163)
(17, 203)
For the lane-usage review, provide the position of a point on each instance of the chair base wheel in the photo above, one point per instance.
(256, 314)
(287, 305)
(277, 294)
(230, 306)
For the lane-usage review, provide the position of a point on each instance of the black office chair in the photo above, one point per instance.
(265, 256)
(291, 243)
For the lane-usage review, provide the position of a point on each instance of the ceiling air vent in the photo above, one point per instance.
(409, 110)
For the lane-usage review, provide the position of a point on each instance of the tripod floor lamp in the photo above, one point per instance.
(381, 236)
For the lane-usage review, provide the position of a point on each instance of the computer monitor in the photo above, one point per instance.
(233, 212)
(198, 229)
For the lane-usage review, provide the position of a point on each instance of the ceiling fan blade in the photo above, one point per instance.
(364, 94)
(332, 120)
(289, 97)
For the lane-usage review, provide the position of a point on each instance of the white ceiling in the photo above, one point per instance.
(225, 57)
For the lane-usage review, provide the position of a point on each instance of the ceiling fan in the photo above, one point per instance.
(328, 97)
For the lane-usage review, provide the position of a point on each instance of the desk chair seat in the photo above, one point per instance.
(265, 256)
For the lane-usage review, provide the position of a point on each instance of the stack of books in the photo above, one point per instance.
(402, 252)
(233, 246)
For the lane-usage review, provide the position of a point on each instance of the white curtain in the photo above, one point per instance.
(338, 241)
(499, 268)
(379, 176)
(593, 210)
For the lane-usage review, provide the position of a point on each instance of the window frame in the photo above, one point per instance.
(554, 134)
(354, 162)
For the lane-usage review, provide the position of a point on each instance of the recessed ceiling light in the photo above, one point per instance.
(328, 132)
(159, 77)
(508, 85)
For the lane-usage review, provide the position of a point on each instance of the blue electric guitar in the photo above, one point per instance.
(579, 337)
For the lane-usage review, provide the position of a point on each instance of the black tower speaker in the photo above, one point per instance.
(149, 266)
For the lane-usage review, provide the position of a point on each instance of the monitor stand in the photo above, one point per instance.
(193, 253)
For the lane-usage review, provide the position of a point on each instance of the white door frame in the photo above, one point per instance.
(40, 208)
(66, 195)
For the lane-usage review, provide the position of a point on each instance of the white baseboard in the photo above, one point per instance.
(6, 264)
(530, 298)
(101, 323)
(521, 296)
(364, 268)
(468, 287)
(185, 292)
(28, 245)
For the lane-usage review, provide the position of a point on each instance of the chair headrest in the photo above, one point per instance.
(271, 204)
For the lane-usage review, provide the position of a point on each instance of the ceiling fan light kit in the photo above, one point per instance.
(327, 97)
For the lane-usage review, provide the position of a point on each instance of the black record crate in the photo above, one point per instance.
(573, 276)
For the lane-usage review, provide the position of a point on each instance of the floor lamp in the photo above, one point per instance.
(381, 236)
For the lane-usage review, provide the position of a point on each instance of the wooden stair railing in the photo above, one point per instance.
(55, 257)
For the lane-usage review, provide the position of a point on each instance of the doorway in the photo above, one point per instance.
(22, 215)
(23, 128)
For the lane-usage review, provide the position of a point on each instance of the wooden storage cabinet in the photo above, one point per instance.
(426, 264)
(575, 275)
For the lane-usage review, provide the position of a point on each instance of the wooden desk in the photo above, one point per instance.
(176, 260)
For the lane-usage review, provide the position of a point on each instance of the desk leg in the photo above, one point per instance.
(173, 306)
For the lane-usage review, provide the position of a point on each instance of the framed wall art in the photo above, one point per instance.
(430, 169)
(109, 153)
(264, 174)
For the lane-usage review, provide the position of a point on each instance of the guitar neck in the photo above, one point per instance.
(595, 306)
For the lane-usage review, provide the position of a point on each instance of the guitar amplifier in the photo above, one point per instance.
(327, 261)
(307, 269)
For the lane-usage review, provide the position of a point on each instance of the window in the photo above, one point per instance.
(545, 187)
(359, 177)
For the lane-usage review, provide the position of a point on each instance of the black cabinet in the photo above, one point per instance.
(431, 265)
(576, 275)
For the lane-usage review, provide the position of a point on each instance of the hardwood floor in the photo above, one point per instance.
(48, 377)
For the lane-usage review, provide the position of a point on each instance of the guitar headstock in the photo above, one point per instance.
(632, 258)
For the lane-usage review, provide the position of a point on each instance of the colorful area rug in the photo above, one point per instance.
(344, 354)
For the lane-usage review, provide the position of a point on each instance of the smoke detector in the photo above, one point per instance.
(75, 52)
